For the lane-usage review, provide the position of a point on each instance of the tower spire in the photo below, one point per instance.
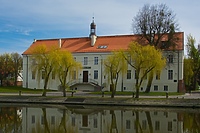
(93, 32)
(92, 28)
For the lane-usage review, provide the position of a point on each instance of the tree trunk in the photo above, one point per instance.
(137, 87)
(64, 91)
(137, 92)
(150, 79)
(45, 87)
(112, 90)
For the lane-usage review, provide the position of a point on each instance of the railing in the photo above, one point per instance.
(80, 81)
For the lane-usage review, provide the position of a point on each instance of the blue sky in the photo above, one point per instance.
(22, 21)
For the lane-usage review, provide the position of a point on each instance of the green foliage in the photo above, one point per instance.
(10, 64)
(43, 62)
(64, 66)
(144, 59)
(114, 65)
(192, 64)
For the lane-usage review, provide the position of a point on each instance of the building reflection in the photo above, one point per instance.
(100, 120)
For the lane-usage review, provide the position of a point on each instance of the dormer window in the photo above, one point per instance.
(102, 47)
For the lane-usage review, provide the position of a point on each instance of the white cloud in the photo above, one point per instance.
(111, 16)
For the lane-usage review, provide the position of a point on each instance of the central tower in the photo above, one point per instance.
(93, 32)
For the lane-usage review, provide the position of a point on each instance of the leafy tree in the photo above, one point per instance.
(114, 65)
(6, 68)
(188, 73)
(154, 22)
(43, 63)
(143, 59)
(65, 64)
(17, 65)
(194, 55)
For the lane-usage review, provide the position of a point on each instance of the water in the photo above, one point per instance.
(96, 119)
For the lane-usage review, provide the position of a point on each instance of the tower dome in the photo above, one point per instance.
(93, 36)
(92, 28)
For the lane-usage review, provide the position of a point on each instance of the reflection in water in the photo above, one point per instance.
(10, 120)
(97, 120)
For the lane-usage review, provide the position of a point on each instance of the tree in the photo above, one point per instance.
(17, 65)
(188, 73)
(114, 64)
(154, 22)
(143, 59)
(194, 55)
(6, 68)
(65, 64)
(43, 63)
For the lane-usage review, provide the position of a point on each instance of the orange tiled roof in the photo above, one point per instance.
(110, 43)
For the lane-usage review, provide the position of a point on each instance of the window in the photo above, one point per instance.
(85, 121)
(144, 124)
(128, 124)
(114, 75)
(170, 74)
(42, 120)
(170, 58)
(95, 122)
(33, 74)
(102, 46)
(169, 126)
(157, 75)
(155, 88)
(75, 58)
(74, 75)
(128, 74)
(165, 88)
(135, 74)
(157, 125)
(52, 120)
(155, 113)
(95, 74)
(73, 121)
(33, 119)
(95, 60)
(43, 74)
(53, 75)
(85, 61)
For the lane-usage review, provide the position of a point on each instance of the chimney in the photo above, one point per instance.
(34, 40)
(60, 43)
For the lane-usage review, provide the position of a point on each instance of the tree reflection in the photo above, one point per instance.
(46, 125)
(113, 127)
(10, 119)
(149, 121)
(191, 122)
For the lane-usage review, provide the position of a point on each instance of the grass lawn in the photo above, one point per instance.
(16, 89)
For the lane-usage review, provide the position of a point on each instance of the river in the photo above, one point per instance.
(25, 118)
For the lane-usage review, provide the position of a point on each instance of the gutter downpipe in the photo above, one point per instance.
(27, 71)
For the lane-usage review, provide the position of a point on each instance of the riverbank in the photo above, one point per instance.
(175, 102)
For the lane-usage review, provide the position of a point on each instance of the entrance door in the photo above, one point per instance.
(85, 76)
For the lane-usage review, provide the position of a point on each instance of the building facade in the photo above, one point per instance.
(92, 51)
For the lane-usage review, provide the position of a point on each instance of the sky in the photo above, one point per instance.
(22, 21)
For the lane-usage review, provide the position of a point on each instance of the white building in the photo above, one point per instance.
(92, 50)
(100, 120)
